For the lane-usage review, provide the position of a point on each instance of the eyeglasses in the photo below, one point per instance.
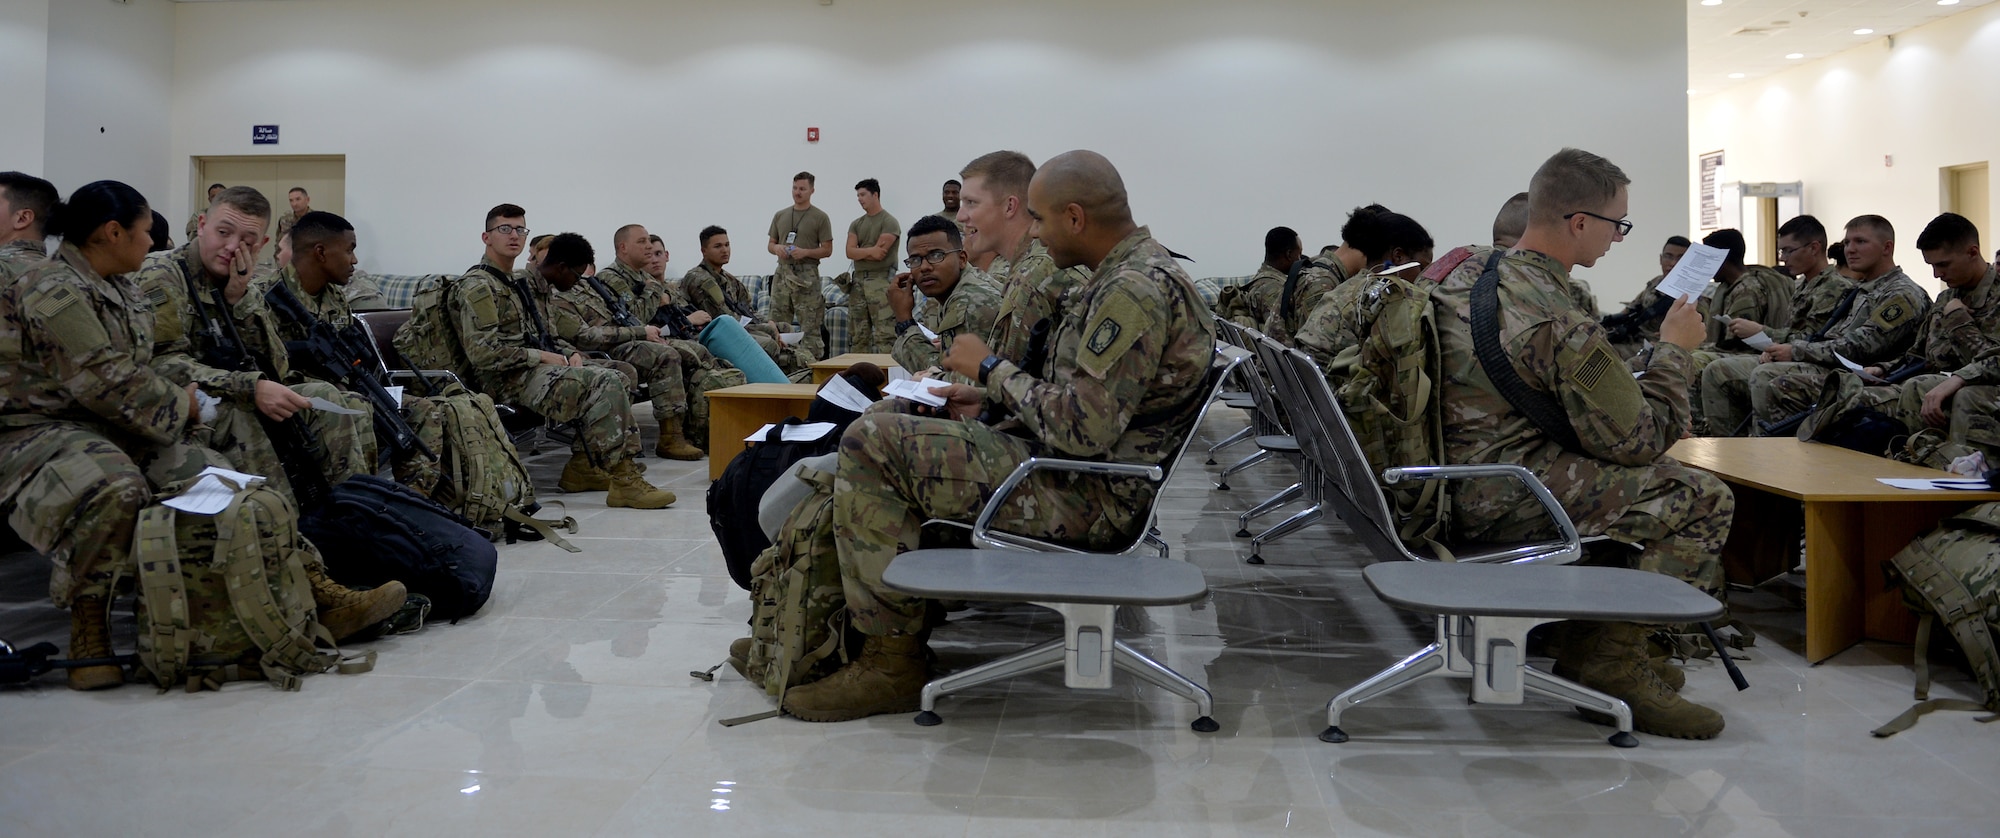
(1786, 252)
(1624, 227)
(932, 257)
(508, 230)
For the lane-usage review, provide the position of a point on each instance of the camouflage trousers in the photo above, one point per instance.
(343, 445)
(1698, 361)
(796, 298)
(1730, 395)
(73, 494)
(897, 471)
(1678, 516)
(660, 366)
(1780, 390)
(596, 396)
(870, 325)
(1975, 420)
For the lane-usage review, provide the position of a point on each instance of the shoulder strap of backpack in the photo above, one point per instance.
(1964, 617)
(165, 591)
(239, 550)
(1540, 408)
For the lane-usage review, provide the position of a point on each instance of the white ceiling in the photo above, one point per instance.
(1753, 37)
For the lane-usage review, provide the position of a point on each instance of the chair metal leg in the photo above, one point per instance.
(1222, 481)
(1153, 540)
(1299, 520)
(1153, 672)
(1289, 494)
(1561, 689)
(1034, 659)
(1428, 662)
(1232, 439)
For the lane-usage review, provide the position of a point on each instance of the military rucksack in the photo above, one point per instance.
(225, 597)
(430, 340)
(480, 475)
(1952, 574)
(798, 620)
(711, 378)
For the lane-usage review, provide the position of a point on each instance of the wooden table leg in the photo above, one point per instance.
(1762, 536)
(1834, 577)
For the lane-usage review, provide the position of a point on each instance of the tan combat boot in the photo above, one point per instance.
(580, 475)
(90, 637)
(888, 677)
(631, 491)
(739, 656)
(345, 611)
(1612, 659)
(674, 444)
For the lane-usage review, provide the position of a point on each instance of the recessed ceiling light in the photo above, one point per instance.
(1796, 55)
(1711, 2)
(1864, 31)
(1947, 2)
(1736, 75)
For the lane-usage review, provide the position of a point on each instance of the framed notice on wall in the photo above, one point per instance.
(1711, 190)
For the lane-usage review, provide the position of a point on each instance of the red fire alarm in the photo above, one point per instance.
(812, 135)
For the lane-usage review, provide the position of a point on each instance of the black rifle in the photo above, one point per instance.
(19, 666)
(673, 320)
(1626, 326)
(291, 438)
(1789, 425)
(346, 356)
(542, 340)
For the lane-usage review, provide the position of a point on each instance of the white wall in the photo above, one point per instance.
(24, 69)
(1225, 118)
(109, 69)
(1930, 101)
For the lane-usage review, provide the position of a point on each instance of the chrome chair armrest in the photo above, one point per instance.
(1566, 549)
(985, 538)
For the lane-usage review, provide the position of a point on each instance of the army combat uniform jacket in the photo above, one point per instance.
(18, 257)
(1813, 303)
(1880, 326)
(1034, 289)
(1759, 294)
(1320, 276)
(1253, 301)
(972, 308)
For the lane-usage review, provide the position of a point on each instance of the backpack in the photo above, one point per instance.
(1952, 574)
(1390, 392)
(798, 619)
(225, 597)
(480, 474)
(429, 340)
(375, 530)
(713, 378)
(1841, 418)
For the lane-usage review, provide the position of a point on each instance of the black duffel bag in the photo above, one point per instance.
(375, 530)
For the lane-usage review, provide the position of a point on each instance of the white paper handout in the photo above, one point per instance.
(395, 393)
(1850, 365)
(210, 494)
(1759, 341)
(1690, 277)
(322, 404)
(843, 394)
(808, 432)
(921, 392)
(928, 334)
(1927, 484)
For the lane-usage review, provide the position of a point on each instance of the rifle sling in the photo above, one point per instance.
(1541, 408)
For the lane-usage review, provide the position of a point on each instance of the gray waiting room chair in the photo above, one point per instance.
(1087, 589)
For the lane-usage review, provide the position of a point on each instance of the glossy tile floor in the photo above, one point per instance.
(566, 708)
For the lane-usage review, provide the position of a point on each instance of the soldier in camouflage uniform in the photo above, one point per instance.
(993, 215)
(517, 358)
(1878, 329)
(1253, 301)
(26, 202)
(801, 235)
(1640, 314)
(965, 301)
(1958, 344)
(194, 218)
(1126, 366)
(1741, 292)
(1618, 481)
(1332, 268)
(1511, 222)
(215, 264)
(1387, 239)
(718, 293)
(1821, 287)
(626, 275)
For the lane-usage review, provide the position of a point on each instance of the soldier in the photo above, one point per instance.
(518, 359)
(1253, 301)
(626, 275)
(871, 243)
(1959, 342)
(1387, 239)
(595, 318)
(26, 202)
(210, 330)
(1508, 226)
(1127, 364)
(1743, 294)
(88, 429)
(1332, 267)
(993, 215)
(718, 293)
(1638, 323)
(300, 204)
(1785, 380)
(965, 300)
(1613, 477)
(194, 218)
(951, 190)
(1821, 288)
(801, 235)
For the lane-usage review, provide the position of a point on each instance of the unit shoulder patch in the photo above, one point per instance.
(1114, 325)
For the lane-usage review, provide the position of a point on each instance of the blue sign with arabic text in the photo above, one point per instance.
(263, 135)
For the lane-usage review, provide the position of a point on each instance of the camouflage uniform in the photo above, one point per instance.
(582, 317)
(1323, 274)
(344, 444)
(1881, 326)
(1759, 294)
(1124, 367)
(363, 293)
(1648, 331)
(871, 327)
(972, 307)
(20, 256)
(1034, 290)
(1332, 326)
(1622, 484)
(1585, 299)
(502, 323)
(1813, 303)
(1252, 302)
(796, 295)
(640, 292)
(87, 428)
(1965, 343)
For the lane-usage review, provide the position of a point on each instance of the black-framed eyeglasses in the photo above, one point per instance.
(508, 230)
(1624, 226)
(932, 257)
(1786, 252)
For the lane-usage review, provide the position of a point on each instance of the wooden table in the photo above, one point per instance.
(1853, 525)
(737, 412)
(823, 370)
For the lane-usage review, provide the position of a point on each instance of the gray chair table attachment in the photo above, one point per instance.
(1085, 588)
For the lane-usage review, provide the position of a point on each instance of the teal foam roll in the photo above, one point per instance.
(725, 337)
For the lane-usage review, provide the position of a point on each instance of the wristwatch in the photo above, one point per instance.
(986, 368)
(904, 326)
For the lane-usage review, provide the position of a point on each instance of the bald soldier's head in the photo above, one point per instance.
(1077, 208)
(1511, 222)
(631, 246)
